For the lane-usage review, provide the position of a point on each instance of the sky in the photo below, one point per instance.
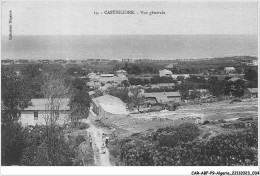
(77, 18)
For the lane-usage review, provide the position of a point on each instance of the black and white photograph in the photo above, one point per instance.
(130, 83)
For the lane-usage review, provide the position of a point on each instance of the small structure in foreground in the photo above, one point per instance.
(251, 93)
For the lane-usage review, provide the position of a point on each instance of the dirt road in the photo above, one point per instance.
(101, 159)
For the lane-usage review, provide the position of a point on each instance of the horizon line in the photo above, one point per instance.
(4, 35)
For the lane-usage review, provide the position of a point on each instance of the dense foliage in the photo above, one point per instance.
(79, 100)
(32, 145)
(175, 135)
(231, 149)
(41, 149)
(121, 93)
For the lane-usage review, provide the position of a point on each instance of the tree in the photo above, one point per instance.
(184, 89)
(76, 71)
(12, 143)
(234, 88)
(32, 77)
(194, 94)
(45, 150)
(31, 71)
(136, 97)
(136, 70)
(164, 79)
(79, 100)
(216, 87)
(252, 76)
(125, 83)
(180, 78)
(14, 96)
(54, 90)
(120, 93)
(135, 81)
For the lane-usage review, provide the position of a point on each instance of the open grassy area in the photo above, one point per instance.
(187, 113)
(221, 118)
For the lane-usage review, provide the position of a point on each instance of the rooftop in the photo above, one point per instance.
(162, 96)
(121, 71)
(165, 71)
(234, 79)
(93, 84)
(253, 90)
(166, 84)
(111, 104)
(107, 75)
(43, 104)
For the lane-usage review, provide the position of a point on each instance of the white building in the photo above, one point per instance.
(165, 72)
(93, 76)
(121, 73)
(105, 78)
(109, 105)
(175, 76)
(163, 97)
(39, 111)
(229, 69)
(255, 62)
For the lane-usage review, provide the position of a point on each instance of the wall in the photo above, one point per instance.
(175, 99)
(95, 108)
(247, 94)
(27, 118)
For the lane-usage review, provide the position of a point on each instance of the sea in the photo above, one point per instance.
(80, 47)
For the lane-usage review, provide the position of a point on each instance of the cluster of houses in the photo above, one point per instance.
(103, 81)
(39, 111)
(105, 105)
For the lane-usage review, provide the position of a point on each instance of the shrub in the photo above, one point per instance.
(80, 139)
(83, 126)
(235, 100)
(222, 121)
(238, 148)
(169, 140)
(245, 118)
(187, 131)
(183, 133)
(206, 122)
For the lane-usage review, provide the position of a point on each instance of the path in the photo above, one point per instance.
(96, 134)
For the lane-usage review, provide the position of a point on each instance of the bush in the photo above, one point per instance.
(238, 124)
(187, 131)
(83, 126)
(235, 100)
(182, 134)
(46, 150)
(80, 139)
(222, 121)
(233, 149)
(206, 122)
(245, 118)
(169, 140)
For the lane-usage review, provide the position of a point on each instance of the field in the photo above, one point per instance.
(136, 123)
(213, 119)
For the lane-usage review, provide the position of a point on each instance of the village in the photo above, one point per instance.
(132, 98)
(143, 83)
(164, 91)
